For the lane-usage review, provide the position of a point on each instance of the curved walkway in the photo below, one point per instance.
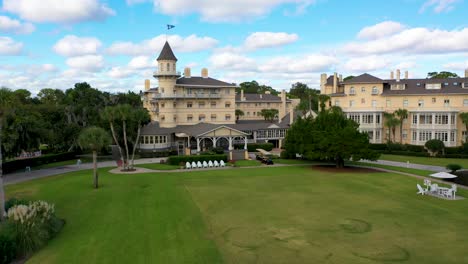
(407, 165)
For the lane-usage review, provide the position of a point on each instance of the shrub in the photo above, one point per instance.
(20, 164)
(32, 225)
(395, 147)
(175, 160)
(378, 146)
(8, 248)
(434, 145)
(453, 167)
(13, 201)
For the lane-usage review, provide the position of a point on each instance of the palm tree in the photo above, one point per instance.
(464, 118)
(402, 114)
(94, 139)
(323, 98)
(110, 115)
(391, 122)
(125, 114)
(140, 117)
(239, 113)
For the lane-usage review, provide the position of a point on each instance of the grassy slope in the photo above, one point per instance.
(262, 215)
(131, 219)
(425, 160)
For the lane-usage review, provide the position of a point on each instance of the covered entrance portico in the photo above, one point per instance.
(220, 136)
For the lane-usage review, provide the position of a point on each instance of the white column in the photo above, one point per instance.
(230, 143)
(198, 144)
(245, 142)
(214, 139)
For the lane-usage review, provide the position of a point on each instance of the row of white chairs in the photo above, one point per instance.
(204, 164)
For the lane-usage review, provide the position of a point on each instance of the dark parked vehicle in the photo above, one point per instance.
(264, 159)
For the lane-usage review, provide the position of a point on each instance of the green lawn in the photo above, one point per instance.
(158, 166)
(425, 160)
(424, 173)
(259, 215)
(247, 163)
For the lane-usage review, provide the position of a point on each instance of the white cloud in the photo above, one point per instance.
(303, 64)
(71, 45)
(460, 65)
(380, 30)
(227, 10)
(142, 62)
(260, 40)
(438, 5)
(89, 63)
(413, 41)
(58, 11)
(153, 46)
(10, 47)
(120, 72)
(365, 64)
(232, 61)
(9, 25)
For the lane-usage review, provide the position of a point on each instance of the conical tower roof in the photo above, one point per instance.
(166, 53)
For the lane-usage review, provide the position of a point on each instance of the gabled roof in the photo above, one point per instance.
(364, 78)
(166, 53)
(201, 81)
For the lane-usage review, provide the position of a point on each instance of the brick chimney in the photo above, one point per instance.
(466, 73)
(335, 82)
(398, 75)
(147, 85)
(392, 76)
(187, 73)
(406, 74)
(291, 116)
(242, 95)
(204, 73)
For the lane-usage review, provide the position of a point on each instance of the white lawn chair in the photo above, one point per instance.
(434, 188)
(199, 165)
(454, 190)
(421, 190)
(216, 164)
(188, 166)
(210, 164)
(427, 183)
(221, 163)
(205, 165)
(194, 165)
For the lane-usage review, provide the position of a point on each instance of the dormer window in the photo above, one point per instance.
(446, 84)
(455, 83)
(418, 84)
(433, 86)
(398, 86)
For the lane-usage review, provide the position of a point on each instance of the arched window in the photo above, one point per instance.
(168, 67)
(173, 67)
(161, 67)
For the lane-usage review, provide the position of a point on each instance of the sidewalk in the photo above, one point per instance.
(37, 174)
(408, 165)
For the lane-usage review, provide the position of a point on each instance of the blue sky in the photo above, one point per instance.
(113, 44)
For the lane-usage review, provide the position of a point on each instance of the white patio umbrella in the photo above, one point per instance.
(443, 175)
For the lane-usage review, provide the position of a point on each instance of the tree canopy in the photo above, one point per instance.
(330, 136)
(441, 75)
(255, 87)
(308, 96)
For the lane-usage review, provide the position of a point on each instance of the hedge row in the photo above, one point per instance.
(176, 160)
(21, 164)
(394, 147)
(157, 154)
(407, 153)
(252, 147)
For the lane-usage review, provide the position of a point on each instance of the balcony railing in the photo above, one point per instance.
(169, 73)
(187, 96)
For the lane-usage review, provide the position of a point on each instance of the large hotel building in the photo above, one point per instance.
(193, 113)
(433, 105)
